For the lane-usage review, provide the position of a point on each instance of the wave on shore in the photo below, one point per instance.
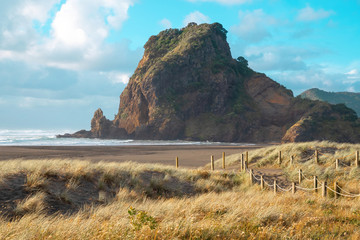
(48, 138)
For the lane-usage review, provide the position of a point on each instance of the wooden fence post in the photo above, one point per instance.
(262, 182)
(337, 163)
(293, 187)
(223, 160)
(247, 156)
(275, 187)
(291, 160)
(279, 158)
(336, 188)
(242, 162)
(324, 189)
(177, 162)
(316, 156)
(300, 176)
(251, 176)
(212, 163)
(315, 183)
(246, 165)
(357, 159)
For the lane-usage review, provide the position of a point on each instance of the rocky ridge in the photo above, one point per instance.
(188, 86)
(350, 99)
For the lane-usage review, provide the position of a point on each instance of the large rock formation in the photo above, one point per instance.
(188, 86)
(350, 99)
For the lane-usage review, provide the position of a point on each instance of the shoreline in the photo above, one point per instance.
(190, 156)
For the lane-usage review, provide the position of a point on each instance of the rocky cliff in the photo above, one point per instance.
(350, 99)
(188, 86)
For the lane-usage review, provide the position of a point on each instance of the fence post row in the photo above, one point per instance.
(212, 163)
(223, 160)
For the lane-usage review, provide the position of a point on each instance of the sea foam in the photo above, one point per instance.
(48, 138)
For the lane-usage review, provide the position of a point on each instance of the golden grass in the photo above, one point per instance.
(228, 215)
(160, 202)
(304, 158)
(32, 204)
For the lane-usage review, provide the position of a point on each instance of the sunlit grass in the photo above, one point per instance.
(135, 201)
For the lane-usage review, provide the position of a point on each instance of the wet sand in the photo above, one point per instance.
(189, 155)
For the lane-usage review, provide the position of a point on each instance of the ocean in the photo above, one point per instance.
(48, 138)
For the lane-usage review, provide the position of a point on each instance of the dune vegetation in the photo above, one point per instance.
(66, 199)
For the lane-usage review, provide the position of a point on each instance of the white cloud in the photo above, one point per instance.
(77, 34)
(165, 23)
(253, 25)
(352, 72)
(309, 14)
(117, 77)
(351, 89)
(327, 77)
(53, 54)
(224, 2)
(314, 76)
(353, 76)
(196, 17)
(16, 22)
(36, 9)
(272, 58)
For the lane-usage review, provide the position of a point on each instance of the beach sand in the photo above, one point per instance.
(191, 156)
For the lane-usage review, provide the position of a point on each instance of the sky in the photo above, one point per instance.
(60, 60)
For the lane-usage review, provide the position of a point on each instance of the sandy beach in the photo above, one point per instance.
(189, 156)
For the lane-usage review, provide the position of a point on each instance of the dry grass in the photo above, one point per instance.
(302, 152)
(159, 202)
(304, 158)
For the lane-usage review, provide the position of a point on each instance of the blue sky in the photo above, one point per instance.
(62, 59)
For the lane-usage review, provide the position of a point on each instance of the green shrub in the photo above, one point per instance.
(139, 219)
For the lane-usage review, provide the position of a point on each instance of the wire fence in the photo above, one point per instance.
(338, 191)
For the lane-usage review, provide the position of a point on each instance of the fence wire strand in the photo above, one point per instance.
(307, 189)
(284, 190)
(344, 195)
(270, 185)
(257, 179)
(308, 179)
(347, 191)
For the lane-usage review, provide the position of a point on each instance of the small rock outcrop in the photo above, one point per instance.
(188, 86)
